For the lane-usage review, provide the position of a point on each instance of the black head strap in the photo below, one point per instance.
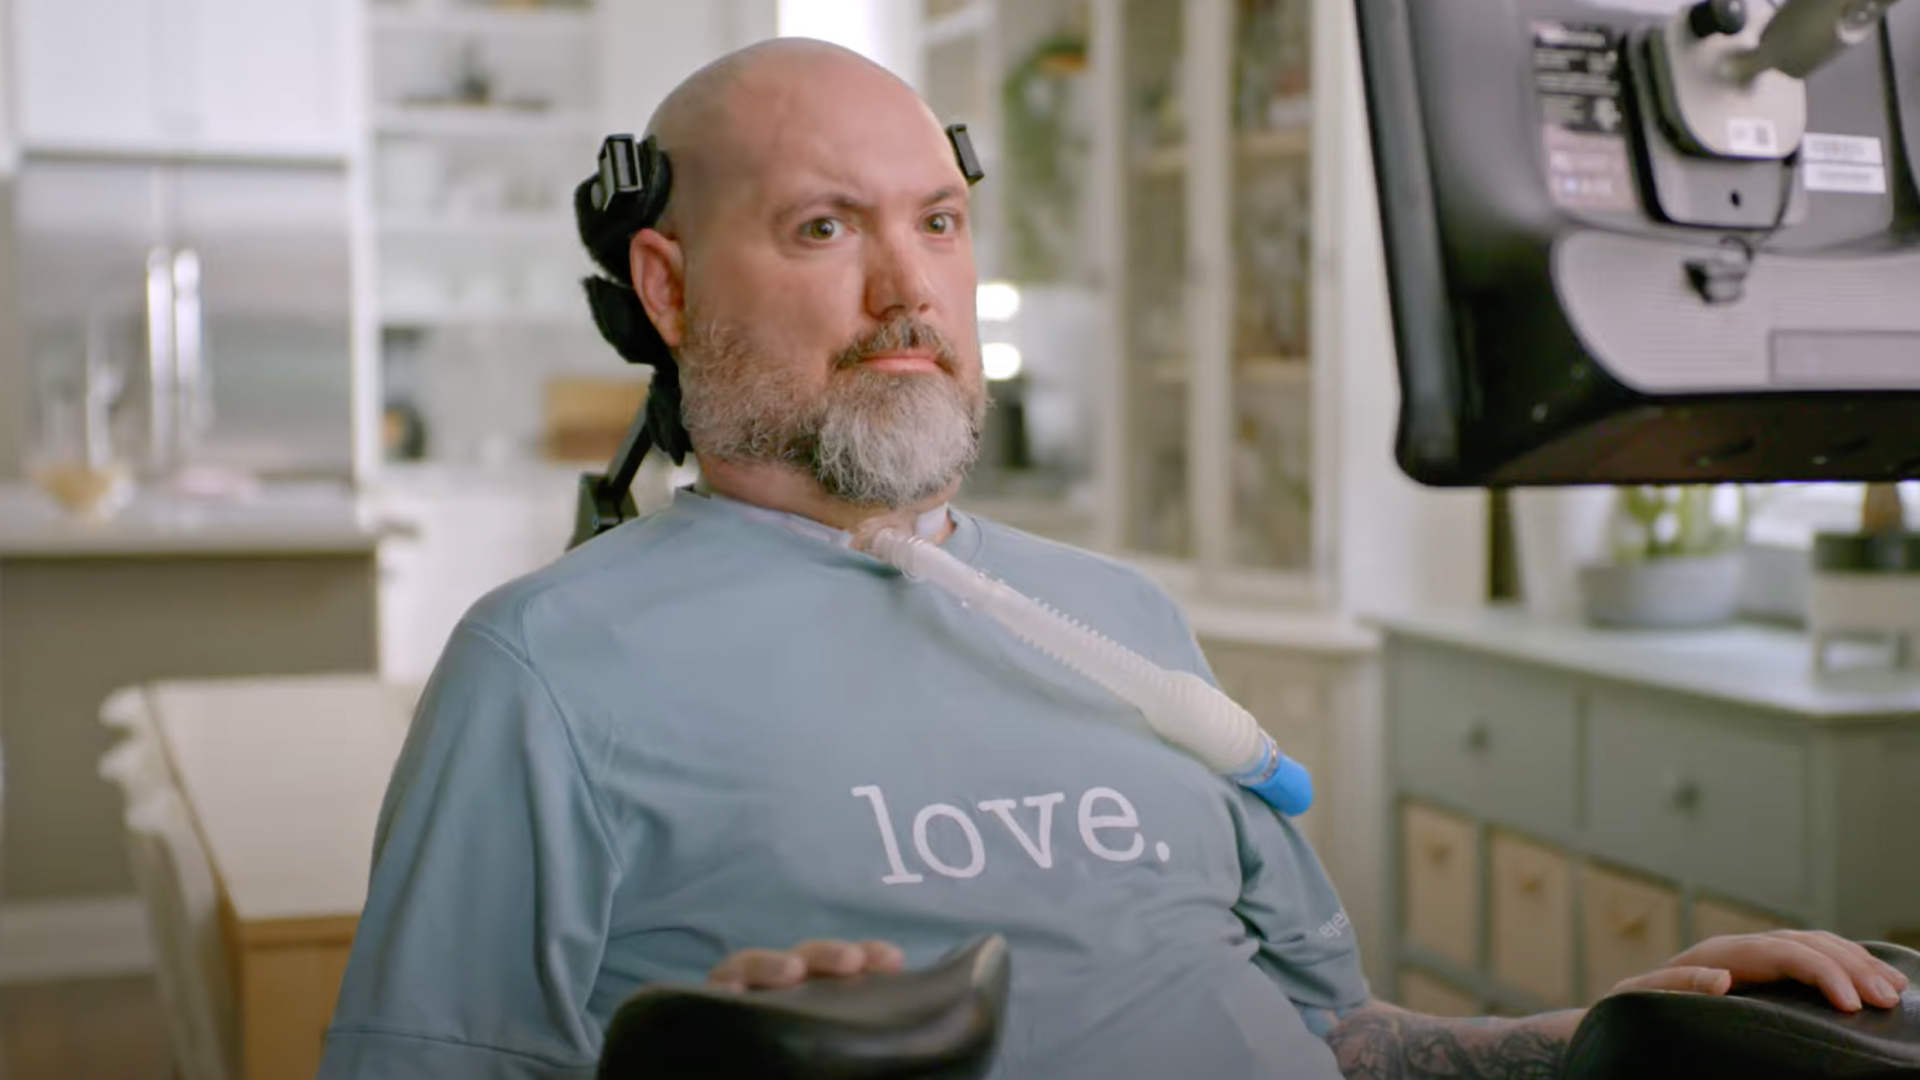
(963, 152)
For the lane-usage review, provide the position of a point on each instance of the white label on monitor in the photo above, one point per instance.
(1845, 179)
(1842, 149)
(1752, 136)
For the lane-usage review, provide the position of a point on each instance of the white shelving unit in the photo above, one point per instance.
(969, 22)
(962, 60)
(535, 227)
(482, 116)
(1014, 71)
(485, 123)
(1214, 197)
(432, 18)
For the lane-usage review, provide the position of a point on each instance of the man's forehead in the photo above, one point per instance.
(876, 137)
(867, 169)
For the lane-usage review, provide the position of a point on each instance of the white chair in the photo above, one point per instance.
(135, 763)
(176, 884)
(125, 711)
(136, 767)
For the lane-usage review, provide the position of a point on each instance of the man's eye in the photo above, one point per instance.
(942, 223)
(821, 229)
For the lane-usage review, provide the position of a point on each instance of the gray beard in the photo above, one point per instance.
(871, 438)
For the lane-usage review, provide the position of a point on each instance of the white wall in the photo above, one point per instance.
(15, 387)
(9, 151)
(1401, 545)
(884, 31)
(649, 47)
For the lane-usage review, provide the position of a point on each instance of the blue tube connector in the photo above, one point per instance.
(1280, 781)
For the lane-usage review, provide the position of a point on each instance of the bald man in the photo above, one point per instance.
(721, 742)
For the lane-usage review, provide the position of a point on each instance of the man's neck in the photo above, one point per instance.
(787, 489)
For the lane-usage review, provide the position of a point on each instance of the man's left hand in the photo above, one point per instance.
(1849, 975)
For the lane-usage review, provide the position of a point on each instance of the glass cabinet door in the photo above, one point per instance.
(1158, 360)
(1269, 463)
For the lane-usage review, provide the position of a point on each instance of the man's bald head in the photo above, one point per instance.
(814, 276)
(730, 121)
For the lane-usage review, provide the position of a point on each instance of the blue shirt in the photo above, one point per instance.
(708, 731)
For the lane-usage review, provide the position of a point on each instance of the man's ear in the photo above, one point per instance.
(658, 265)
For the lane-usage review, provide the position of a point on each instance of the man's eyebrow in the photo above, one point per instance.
(842, 201)
(834, 200)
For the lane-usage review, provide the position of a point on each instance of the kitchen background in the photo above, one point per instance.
(294, 367)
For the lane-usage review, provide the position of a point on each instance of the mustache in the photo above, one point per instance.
(900, 333)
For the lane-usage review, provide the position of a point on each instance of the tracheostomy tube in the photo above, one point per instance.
(1183, 708)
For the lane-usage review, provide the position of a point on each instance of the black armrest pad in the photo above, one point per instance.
(1784, 1031)
(938, 1023)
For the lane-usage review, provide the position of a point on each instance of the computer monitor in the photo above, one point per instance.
(1650, 241)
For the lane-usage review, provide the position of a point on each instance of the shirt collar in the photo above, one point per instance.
(927, 525)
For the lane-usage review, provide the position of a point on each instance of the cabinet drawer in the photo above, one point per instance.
(1698, 792)
(1627, 927)
(1441, 875)
(1495, 736)
(1531, 918)
(1717, 918)
(1434, 996)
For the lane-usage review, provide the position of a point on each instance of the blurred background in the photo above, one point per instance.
(294, 367)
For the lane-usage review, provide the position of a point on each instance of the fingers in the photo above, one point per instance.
(1845, 973)
(759, 969)
(1683, 980)
(1893, 975)
(1818, 967)
(883, 958)
(1874, 982)
(832, 957)
(1764, 958)
(773, 969)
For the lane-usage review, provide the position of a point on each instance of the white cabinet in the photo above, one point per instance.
(1197, 173)
(239, 78)
(1224, 380)
(435, 571)
(1250, 392)
(483, 118)
(1616, 797)
(89, 72)
(275, 77)
(463, 531)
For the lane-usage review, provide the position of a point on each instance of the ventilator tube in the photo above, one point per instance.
(1183, 708)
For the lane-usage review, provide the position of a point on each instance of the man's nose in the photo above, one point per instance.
(899, 277)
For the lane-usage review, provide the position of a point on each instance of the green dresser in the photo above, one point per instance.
(1571, 805)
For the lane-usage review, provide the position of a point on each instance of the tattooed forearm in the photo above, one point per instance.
(1381, 1042)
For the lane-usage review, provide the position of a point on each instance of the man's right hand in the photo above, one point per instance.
(773, 969)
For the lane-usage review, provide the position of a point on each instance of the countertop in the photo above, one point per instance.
(284, 778)
(1756, 665)
(292, 519)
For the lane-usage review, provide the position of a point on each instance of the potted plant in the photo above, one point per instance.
(1866, 581)
(1674, 560)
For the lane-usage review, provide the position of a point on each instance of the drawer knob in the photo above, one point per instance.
(1627, 924)
(1478, 736)
(1684, 794)
(1532, 880)
(1438, 851)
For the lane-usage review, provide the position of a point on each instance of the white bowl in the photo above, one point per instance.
(1691, 590)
